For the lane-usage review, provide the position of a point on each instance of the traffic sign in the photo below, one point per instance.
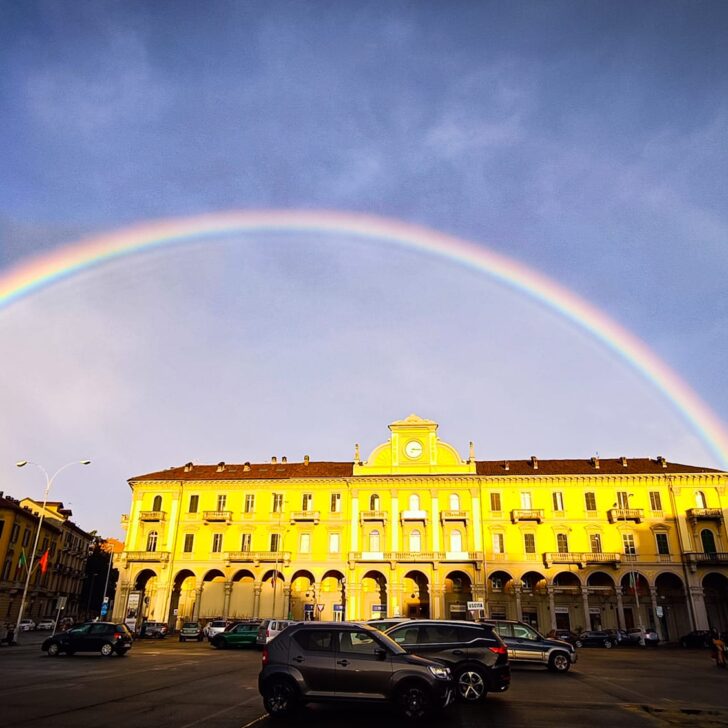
(320, 607)
(104, 609)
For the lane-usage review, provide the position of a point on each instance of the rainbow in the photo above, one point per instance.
(36, 273)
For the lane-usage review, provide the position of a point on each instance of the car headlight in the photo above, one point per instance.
(441, 673)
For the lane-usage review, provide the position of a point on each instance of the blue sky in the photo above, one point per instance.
(587, 140)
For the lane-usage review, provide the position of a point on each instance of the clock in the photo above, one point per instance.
(413, 449)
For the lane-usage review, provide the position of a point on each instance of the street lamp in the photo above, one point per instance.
(49, 483)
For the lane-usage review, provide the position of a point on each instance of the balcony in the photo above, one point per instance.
(413, 516)
(256, 557)
(373, 516)
(418, 556)
(306, 517)
(413, 556)
(453, 516)
(152, 516)
(124, 520)
(217, 516)
(705, 514)
(527, 515)
(581, 559)
(161, 556)
(696, 559)
(625, 514)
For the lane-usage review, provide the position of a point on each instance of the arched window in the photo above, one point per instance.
(454, 502)
(456, 541)
(562, 543)
(708, 539)
(414, 502)
(152, 541)
(374, 544)
(374, 503)
(415, 542)
(700, 501)
(157, 505)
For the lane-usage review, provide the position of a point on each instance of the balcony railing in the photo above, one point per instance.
(152, 516)
(417, 556)
(453, 516)
(217, 516)
(418, 515)
(162, 556)
(306, 516)
(705, 514)
(282, 557)
(124, 520)
(696, 559)
(581, 558)
(530, 514)
(625, 514)
(373, 516)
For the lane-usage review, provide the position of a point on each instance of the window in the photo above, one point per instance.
(275, 541)
(355, 643)
(315, 640)
(529, 543)
(595, 541)
(414, 502)
(194, 503)
(628, 543)
(456, 541)
(374, 541)
(558, 499)
(495, 502)
(498, 543)
(415, 542)
(700, 501)
(374, 503)
(526, 503)
(26, 537)
(655, 500)
(336, 502)
(562, 543)
(277, 502)
(707, 538)
(152, 541)
(157, 503)
(221, 502)
(6, 570)
(663, 544)
(334, 543)
(622, 499)
(14, 533)
(2, 526)
(590, 501)
(189, 543)
(246, 542)
(306, 501)
(454, 502)
(216, 543)
(305, 543)
(249, 503)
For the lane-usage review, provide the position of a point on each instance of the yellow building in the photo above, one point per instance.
(416, 530)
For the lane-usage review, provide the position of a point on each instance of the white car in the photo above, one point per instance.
(214, 627)
(270, 628)
(46, 624)
(26, 624)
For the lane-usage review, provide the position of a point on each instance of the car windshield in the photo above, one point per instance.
(218, 623)
(189, 625)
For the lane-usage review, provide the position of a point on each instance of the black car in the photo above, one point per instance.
(475, 654)
(154, 630)
(343, 662)
(565, 635)
(104, 637)
(599, 638)
(697, 638)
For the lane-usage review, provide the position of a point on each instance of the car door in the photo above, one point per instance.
(363, 666)
(78, 638)
(98, 635)
(529, 643)
(312, 653)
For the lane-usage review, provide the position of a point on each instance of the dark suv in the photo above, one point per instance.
(475, 654)
(526, 645)
(343, 661)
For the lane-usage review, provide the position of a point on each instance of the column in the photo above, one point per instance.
(355, 525)
(226, 602)
(287, 602)
(394, 515)
(552, 606)
(353, 602)
(437, 603)
(620, 608)
(480, 595)
(257, 588)
(120, 602)
(701, 613)
(585, 600)
(519, 608)
(198, 600)
(435, 522)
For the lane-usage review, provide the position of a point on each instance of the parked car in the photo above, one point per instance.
(565, 635)
(215, 626)
(528, 646)
(154, 630)
(619, 636)
(241, 634)
(475, 654)
(104, 637)
(384, 624)
(652, 639)
(270, 628)
(26, 624)
(46, 624)
(599, 638)
(697, 638)
(191, 631)
(344, 662)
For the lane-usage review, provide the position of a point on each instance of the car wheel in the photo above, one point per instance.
(607, 644)
(280, 697)
(107, 649)
(470, 685)
(578, 643)
(413, 701)
(53, 650)
(559, 662)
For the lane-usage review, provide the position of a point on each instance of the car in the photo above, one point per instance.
(527, 645)
(154, 630)
(347, 662)
(270, 628)
(26, 625)
(565, 635)
(215, 626)
(599, 638)
(240, 634)
(108, 638)
(651, 638)
(385, 623)
(697, 638)
(619, 636)
(191, 631)
(46, 624)
(475, 654)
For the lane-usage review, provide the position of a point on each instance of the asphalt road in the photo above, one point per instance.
(166, 683)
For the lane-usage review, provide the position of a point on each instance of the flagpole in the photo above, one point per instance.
(49, 482)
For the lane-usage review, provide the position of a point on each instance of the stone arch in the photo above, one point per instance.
(600, 580)
(272, 594)
(212, 596)
(458, 591)
(533, 582)
(182, 599)
(499, 580)
(374, 604)
(146, 583)
(242, 595)
(671, 597)
(332, 594)
(416, 590)
(715, 589)
(303, 595)
(566, 580)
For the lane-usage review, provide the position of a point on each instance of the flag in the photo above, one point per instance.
(23, 561)
(44, 563)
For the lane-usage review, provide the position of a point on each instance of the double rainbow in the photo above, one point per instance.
(32, 275)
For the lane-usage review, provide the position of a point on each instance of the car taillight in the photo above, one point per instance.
(499, 650)
(117, 635)
(264, 658)
(267, 632)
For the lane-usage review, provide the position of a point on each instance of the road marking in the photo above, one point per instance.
(202, 721)
(259, 719)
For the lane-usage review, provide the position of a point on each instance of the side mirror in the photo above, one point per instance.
(380, 652)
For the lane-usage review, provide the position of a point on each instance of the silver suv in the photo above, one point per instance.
(270, 628)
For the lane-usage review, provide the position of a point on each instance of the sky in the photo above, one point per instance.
(586, 140)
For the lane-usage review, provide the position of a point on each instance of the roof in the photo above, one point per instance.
(517, 468)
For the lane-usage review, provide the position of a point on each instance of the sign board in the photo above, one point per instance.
(594, 610)
(61, 603)
(338, 607)
(104, 609)
(132, 610)
(561, 610)
(106, 600)
(472, 606)
(320, 607)
(379, 608)
(175, 611)
(308, 612)
(660, 611)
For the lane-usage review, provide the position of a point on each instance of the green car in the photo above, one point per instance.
(239, 635)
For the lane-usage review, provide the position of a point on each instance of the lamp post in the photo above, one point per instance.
(632, 580)
(49, 483)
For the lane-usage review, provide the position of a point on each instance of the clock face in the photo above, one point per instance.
(413, 449)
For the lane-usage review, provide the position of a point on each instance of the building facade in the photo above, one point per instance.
(418, 531)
